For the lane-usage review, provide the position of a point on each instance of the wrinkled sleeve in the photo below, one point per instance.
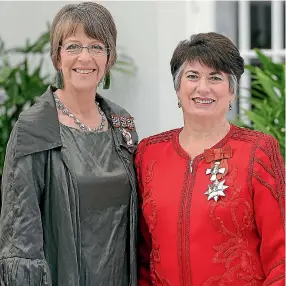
(268, 181)
(144, 239)
(22, 259)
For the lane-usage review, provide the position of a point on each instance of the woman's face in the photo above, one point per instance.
(82, 71)
(204, 92)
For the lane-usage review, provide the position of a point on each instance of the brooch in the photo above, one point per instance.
(126, 136)
(219, 168)
(123, 122)
(125, 125)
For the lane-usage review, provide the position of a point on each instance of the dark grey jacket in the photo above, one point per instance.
(39, 222)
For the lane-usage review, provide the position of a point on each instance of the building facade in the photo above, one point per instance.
(149, 31)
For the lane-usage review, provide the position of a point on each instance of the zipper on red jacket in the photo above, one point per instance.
(184, 223)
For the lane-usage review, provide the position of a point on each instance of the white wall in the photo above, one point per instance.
(149, 32)
(137, 23)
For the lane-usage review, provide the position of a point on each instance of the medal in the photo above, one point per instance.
(216, 189)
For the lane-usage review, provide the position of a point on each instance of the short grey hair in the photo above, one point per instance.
(211, 49)
(97, 23)
(233, 82)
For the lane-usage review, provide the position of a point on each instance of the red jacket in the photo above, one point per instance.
(186, 239)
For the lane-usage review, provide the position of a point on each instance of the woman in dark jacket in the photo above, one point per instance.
(68, 192)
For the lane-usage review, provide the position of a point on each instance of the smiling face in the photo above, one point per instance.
(83, 70)
(204, 92)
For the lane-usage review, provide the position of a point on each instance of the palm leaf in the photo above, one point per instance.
(267, 99)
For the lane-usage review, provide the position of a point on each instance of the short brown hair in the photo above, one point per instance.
(97, 23)
(211, 49)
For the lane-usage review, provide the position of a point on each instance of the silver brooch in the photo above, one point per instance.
(127, 136)
(123, 122)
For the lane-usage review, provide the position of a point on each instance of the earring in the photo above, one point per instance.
(59, 79)
(230, 106)
(179, 103)
(106, 83)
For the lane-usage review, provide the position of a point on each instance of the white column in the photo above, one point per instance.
(276, 28)
(225, 24)
(244, 47)
(200, 17)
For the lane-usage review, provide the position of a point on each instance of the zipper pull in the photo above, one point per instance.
(191, 166)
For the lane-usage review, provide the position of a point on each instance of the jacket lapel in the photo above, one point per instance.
(38, 127)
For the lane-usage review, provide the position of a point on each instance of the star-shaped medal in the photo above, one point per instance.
(216, 190)
(215, 170)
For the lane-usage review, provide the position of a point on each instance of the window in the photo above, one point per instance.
(252, 24)
(261, 24)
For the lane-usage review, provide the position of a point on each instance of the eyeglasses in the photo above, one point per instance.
(94, 50)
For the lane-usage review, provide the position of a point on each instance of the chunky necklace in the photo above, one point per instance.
(81, 125)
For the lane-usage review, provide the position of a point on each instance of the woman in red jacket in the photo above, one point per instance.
(211, 193)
